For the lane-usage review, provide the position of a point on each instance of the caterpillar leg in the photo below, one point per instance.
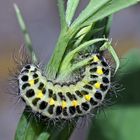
(107, 46)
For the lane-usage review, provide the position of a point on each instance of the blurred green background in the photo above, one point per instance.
(117, 122)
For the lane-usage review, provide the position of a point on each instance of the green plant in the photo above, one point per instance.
(93, 22)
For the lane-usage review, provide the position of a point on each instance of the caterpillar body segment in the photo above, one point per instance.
(66, 100)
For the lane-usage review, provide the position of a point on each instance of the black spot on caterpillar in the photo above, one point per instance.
(65, 100)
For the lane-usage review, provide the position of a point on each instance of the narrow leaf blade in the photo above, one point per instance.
(70, 11)
(62, 14)
(108, 9)
(92, 7)
(28, 42)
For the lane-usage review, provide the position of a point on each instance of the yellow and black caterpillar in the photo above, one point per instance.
(65, 100)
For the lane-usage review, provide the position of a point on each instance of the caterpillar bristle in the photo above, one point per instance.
(19, 58)
(33, 85)
(55, 101)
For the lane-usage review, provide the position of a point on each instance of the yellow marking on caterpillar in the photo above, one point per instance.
(99, 71)
(31, 82)
(97, 85)
(95, 59)
(40, 94)
(51, 102)
(64, 104)
(74, 103)
(87, 97)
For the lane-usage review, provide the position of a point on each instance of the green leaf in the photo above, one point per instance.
(99, 10)
(66, 64)
(43, 136)
(63, 133)
(54, 64)
(30, 129)
(62, 14)
(96, 10)
(107, 46)
(92, 7)
(70, 11)
(131, 61)
(100, 29)
(129, 74)
(118, 123)
(108, 25)
(108, 9)
(28, 42)
(21, 129)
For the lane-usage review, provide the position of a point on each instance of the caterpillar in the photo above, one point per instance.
(66, 100)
